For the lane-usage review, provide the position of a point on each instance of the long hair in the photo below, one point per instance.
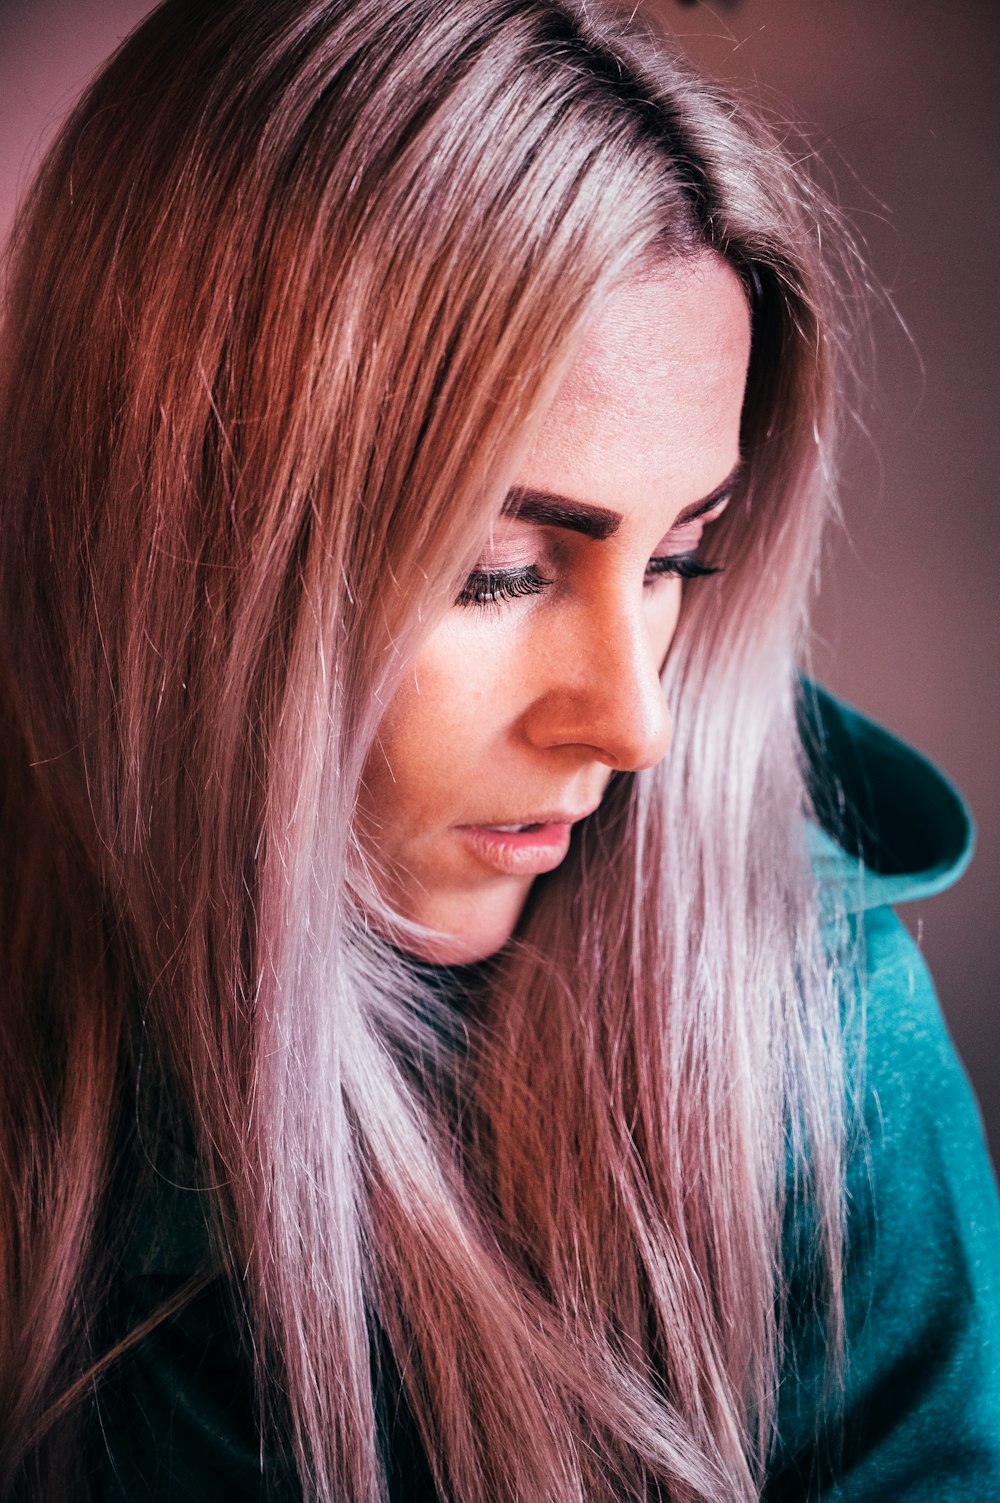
(284, 309)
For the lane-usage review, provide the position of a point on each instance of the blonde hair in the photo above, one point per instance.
(288, 298)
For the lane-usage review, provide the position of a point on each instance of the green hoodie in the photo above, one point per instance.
(174, 1419)
(922, 1282)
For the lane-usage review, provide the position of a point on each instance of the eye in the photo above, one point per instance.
(679, 566)
(495, 586)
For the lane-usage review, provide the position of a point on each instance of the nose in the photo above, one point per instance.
(601, 690)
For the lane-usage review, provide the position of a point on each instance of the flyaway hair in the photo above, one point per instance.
(283, 311)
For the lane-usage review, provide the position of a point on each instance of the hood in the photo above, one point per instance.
(892, 828)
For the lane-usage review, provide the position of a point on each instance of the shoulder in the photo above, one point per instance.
(923, 1206)
(912, 1079)
(893, 829)
(921, 1406)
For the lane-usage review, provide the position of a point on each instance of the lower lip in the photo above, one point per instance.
(518, 853)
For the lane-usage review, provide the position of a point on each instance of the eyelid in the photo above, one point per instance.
(500, 573)
(685, 565)
(519, 551)
(486, 587)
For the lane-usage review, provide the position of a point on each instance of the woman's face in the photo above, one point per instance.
(544, 678)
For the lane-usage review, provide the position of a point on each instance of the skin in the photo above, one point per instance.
(525, 706)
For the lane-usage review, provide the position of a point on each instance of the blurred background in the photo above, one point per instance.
(898, 99)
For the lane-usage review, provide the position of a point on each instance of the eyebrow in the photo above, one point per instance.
(546, 509)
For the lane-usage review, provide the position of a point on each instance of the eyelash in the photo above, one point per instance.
(486, 587)
(495, 586)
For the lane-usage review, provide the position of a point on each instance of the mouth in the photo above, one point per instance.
(527, 848)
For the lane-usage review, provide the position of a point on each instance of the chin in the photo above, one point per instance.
(469, 931)
(459, 949)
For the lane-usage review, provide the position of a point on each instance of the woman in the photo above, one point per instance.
(432, 1065)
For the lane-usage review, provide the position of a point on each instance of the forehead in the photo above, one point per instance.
(650, 408)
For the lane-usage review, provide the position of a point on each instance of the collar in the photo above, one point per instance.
(891, 827)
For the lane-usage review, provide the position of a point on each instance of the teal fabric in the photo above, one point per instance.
(922, 1283)
(174, 1420)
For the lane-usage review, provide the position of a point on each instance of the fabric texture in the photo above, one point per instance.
(173, 1419)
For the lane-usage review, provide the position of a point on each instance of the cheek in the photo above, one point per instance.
(662, 615)
(441, 727)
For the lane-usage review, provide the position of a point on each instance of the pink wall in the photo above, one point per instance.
(901, 97)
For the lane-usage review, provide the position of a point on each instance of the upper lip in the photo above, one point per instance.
(547, 817)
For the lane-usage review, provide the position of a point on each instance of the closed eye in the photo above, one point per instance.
(494, 586)
(680, 566)
(486, 587)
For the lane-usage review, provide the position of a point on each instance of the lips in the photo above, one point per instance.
(522, 847)
(532, 821)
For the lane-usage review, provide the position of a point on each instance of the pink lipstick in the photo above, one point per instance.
(521, 850)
